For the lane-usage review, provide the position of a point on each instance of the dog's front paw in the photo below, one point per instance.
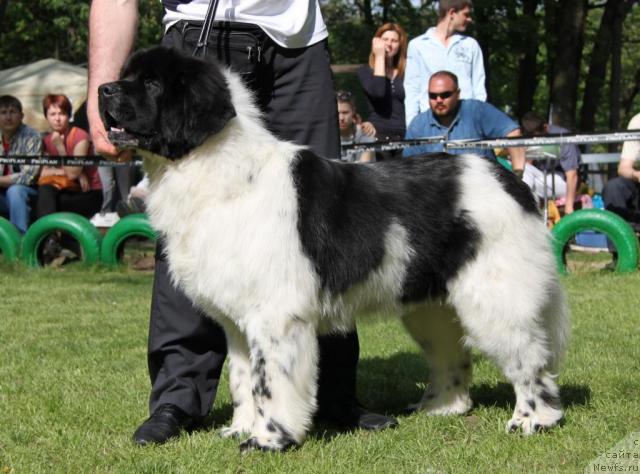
(233, 431)
(531, 423)
(267, 444)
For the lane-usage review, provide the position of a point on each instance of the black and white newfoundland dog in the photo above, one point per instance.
(278, 245)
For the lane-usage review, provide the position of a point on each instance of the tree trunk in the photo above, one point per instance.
(3, 11)
(551, 26)
(566, 73)
(528, 68)
(484, 17)
(629, 95)
(615, 89)
(597, 68)
(365, 9)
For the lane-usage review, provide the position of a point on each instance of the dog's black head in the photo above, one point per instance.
(165, 102)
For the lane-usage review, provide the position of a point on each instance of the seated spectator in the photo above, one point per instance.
(382, 82)
(17, 183)
(350, 131)
(116, 181)
(65, 188)
(621, 194)
(136, 201)
(562, 174)
(459, 119)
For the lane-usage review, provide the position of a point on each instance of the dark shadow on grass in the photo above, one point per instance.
(501, 395)
(389, 385)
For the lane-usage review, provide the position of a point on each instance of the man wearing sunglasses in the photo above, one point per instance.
(461, 119)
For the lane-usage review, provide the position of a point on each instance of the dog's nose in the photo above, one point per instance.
(109, 89)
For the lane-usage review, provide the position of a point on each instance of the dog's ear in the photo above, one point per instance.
(205, 109)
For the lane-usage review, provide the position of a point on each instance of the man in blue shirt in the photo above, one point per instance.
(444, 47)
(458, 119)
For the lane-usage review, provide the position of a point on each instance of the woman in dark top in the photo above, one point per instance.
(382, 79)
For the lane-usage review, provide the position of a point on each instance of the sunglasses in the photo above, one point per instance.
(442, 95)
(344, 95)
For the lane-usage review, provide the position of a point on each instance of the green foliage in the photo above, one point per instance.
(74, 386)
(504, 33)
(38, 29)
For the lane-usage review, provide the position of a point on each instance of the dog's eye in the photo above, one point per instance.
(151, 84)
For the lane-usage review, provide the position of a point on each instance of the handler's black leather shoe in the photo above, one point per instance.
(367, 420)
(165, 423)
(357, 417)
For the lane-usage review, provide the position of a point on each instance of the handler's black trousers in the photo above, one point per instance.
(186, 349)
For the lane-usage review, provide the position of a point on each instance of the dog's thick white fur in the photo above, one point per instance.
(231, 214)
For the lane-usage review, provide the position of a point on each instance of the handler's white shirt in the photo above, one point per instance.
(290, 23)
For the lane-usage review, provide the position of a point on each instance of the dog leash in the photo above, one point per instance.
(205, 32)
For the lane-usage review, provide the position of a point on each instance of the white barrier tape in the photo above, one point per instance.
(65, 160)
(393, 145)
(561, 139)
(506, 142)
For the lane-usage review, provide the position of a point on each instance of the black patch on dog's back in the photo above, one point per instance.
(516, 188)
(345, 211)
(339, 223)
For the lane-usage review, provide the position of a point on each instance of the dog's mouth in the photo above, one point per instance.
(122, 139)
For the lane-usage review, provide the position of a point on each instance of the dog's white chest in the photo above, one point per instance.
(232, 247)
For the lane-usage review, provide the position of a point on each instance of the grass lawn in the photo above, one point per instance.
(74, 386)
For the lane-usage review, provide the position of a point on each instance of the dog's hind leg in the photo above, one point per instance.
(438, 332)
(284, 354)
(521, 324)
(538, 404)
(239, 383)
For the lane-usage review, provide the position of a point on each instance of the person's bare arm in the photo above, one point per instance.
(572, 187)
(112, 30)
(5, 181)
(380, 66)
(625, 169)
(517, 155)
(367, 157)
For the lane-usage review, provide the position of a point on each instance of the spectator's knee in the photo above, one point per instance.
(17, 192)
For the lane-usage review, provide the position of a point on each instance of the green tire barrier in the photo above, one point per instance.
(614, 226)
(127, 227)
(75, 225)
(9, 240)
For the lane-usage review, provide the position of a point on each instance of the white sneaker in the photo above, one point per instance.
(105, 219)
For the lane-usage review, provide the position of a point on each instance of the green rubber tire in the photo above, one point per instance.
(614, 226)
(133, 225)
(9, 240)
(75, 225)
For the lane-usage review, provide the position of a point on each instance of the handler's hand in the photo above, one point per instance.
(104, 147)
